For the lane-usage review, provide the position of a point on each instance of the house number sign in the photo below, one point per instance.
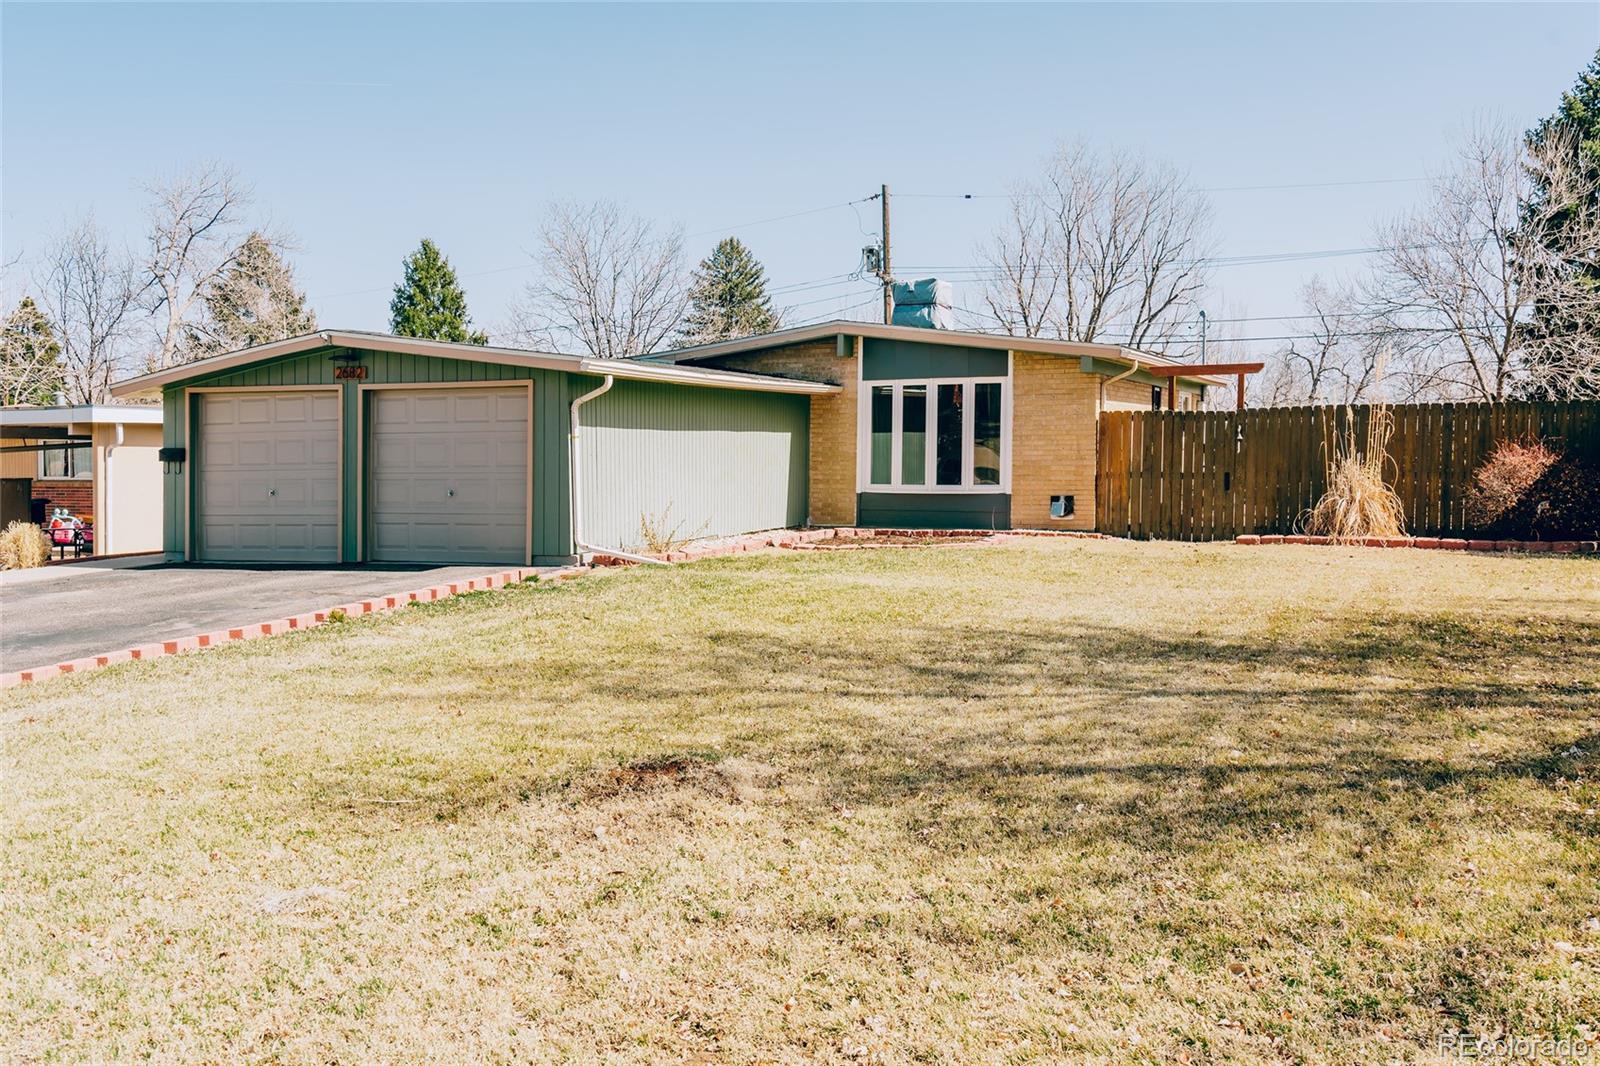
(349, 373)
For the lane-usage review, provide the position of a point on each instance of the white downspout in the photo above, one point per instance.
(102, 525)
(578, 544)
(1106, 383)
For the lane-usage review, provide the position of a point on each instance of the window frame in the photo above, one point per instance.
(82, 465)
(968, 487)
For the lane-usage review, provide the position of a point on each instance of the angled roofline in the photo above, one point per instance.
(481, 353)
(966, 338)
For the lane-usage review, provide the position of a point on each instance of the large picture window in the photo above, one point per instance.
(935, 436)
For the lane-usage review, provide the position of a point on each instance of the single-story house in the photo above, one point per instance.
(97, 461)
(347, 446)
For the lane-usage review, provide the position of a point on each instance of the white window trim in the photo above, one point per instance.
(84, 465)
(864, 481)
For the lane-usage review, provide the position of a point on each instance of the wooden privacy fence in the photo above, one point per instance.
(1206, 475)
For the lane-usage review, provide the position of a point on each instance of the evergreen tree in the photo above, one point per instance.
(252, 302)
(31, 370)
(728, 297)
(1576, 122)
(429, 302)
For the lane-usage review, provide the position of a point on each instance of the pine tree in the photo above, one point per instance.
(1577, 122)
(728, 297)
(253, 302)
(31, 370)
(429, 302)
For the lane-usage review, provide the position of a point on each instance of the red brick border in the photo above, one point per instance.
(308, 620)
(1563, 547)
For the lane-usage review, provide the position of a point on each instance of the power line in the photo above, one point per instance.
(779, 218)
(1214, 188)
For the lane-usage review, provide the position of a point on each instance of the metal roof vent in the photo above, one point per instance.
(926, 303)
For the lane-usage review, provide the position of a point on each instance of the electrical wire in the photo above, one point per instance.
(1214, 188)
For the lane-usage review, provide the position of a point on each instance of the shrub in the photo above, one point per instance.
(1501, 480)
(1529, 491)
(1358, 502)
(23, 545)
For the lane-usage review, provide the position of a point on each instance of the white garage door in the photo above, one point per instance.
(448, 475)
(268, 480)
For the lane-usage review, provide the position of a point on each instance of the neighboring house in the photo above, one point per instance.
(350, 447)
(98, 461)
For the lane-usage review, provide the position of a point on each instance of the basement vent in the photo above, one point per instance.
(1061, 507)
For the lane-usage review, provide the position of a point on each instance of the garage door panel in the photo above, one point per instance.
(448, 477)
(268, 477)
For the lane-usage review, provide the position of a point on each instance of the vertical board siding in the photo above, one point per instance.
(1217, 474)
(552, 534)
(714, 462)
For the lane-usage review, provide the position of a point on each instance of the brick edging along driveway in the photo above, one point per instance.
(306, 620)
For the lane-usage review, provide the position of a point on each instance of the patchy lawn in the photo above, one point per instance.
(1045, 800)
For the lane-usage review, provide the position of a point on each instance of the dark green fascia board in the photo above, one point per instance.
(1106, 368)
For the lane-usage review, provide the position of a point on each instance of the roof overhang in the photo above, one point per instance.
(71, 421)
(997, 341)
(383, 342)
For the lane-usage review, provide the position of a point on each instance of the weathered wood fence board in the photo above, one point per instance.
(1206, 475)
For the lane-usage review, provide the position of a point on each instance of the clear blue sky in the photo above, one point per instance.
(366, 127)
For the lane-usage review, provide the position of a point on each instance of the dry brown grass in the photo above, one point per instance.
(1358, 502)
(23, 545)
(1082, 801)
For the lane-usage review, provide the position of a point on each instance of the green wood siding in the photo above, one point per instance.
(883, 360)
(718, 461)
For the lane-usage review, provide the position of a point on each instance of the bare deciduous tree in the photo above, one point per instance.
(1100, 249)
(90, 293)
(196, 236)
(1336, 361)
(1458, 281)
(612, 286)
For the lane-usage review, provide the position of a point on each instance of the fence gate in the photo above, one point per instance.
(1207, 475)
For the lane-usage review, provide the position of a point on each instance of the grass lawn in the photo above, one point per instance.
(1085, 801)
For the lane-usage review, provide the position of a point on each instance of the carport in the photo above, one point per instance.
(344, 447)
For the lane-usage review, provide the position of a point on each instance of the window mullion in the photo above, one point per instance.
(896, 429)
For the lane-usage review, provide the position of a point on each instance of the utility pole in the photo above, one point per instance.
(1203, 338)
(884, 271)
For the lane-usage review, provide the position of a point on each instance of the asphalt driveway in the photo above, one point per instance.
(58, 613)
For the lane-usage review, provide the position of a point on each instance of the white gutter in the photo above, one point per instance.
(578, 544)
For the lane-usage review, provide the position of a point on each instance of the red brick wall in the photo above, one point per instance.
(76, 495)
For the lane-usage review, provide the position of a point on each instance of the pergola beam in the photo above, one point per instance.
(1239, 370)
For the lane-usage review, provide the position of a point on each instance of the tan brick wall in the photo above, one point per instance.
(1054, 411)
(833, 419)
(1127, 396)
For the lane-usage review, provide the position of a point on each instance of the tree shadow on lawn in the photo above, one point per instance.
(1169, 741)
